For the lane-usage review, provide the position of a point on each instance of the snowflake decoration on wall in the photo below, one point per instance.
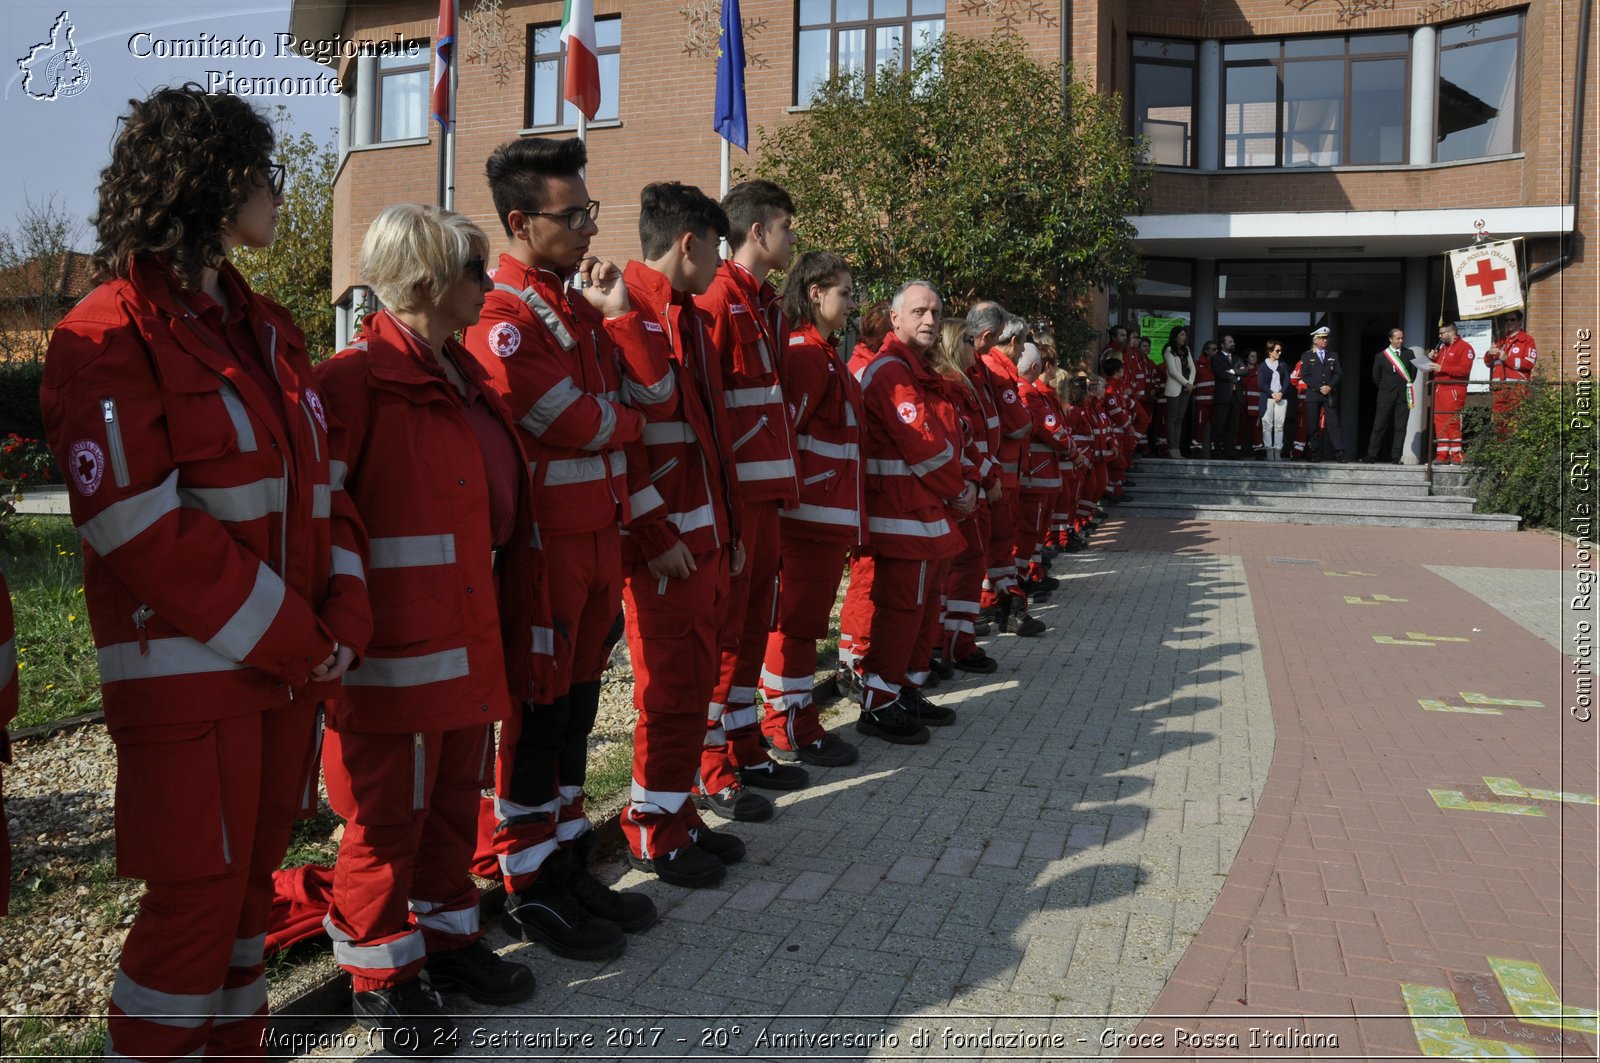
(493, 40)
(1349, 11)
(1009, 15)
(705, 29)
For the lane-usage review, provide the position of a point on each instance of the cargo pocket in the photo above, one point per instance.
(169, 816)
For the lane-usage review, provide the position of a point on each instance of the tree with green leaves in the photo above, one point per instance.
(971, 169)
(297, 270)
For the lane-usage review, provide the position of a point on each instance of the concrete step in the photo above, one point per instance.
(1304, 471)
(1316, 514)
(1245, 480)
(1451, 481)
(1287, 502)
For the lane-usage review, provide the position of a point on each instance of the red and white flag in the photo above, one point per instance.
(1487, 279)
(582, 89)
(444, 54)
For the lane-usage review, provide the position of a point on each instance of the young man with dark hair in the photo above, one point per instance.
(582, 373)
(747, 333)
(682, 545)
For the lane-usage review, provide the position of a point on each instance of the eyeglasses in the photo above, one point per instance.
(277, 173)
(474, 269)
(969, 340)
(576, 218)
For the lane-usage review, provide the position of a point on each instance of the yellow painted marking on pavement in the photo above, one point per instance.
(1435, 705)
(1377, 599)
(1441, 1029)
(1434, 638)
(1504, 787)
(1390, 640)
(1325, 573)
(1483, 699)
(1476, 704)
(1535, 1001)
(1456, 801)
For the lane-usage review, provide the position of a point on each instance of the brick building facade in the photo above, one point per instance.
(1396, 125)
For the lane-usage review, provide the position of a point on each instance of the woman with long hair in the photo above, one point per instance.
(1180, 364)
(224, 601)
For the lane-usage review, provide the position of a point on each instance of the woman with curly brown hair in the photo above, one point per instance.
(223, 601)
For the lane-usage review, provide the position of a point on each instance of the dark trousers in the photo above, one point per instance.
(1393, 414)
(1225, 428)
(1318, 441)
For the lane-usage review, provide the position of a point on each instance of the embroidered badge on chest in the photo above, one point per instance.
(88, 464)
(1009, 395)
(907, 412)
(315, 402)
(504, 339)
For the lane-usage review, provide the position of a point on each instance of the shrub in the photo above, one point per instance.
(27, 462)
(1538, 460)
(19, 398)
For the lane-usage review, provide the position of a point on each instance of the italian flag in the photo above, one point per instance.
(583, 69)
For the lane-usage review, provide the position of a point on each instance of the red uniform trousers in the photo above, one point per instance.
(903, 606)
(855, 615)
(808, 583)
(400, 885)
(1001, 576)
(1447, 447)
(733, 730)
(1034, 509)
(203, 814)
(963, 586)
(544, 749)
(672, 631)
(1066, 506)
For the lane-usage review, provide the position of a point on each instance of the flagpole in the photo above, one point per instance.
(727, 165)
(449, 180)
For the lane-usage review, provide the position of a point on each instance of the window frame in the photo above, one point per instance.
(1349, 59)
(424, 65)
(868, 26)
(1134, 62)
(1520, 36)
(560, 56)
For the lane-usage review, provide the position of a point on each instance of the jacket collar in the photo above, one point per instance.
(918, 363)
(511, 270)
(397, 355)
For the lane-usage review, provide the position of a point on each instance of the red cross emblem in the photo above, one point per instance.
(1485, 277)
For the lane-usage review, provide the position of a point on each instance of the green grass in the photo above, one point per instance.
(51, 1038)
(58, 677)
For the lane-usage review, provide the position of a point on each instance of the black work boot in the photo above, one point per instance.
(633, 912)
(547, 912)
(724, 846)
(480, 973)
(690, 867)
(734, 802)
(892, 723)
(919, 708)
(412, 1019)
(774, 776)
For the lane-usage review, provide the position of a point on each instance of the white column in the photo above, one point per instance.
(1424, 93)
(366, 99)
(1208, 137)
(1204, 325)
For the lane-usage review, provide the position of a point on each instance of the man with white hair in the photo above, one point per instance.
(1002, 596)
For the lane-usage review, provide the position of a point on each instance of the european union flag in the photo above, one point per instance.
(730, 120)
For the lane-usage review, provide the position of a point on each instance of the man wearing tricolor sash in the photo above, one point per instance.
(1393, 373)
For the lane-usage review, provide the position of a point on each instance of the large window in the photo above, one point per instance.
(850, 36)
(403, 94)
(547, 73)
(1163, 99)
(1315, 101)
(1480, 69)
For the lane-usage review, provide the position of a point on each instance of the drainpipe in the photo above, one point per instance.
(1569, 240)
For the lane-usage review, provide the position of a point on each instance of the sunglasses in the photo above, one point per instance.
(476, 269)
(277, 174)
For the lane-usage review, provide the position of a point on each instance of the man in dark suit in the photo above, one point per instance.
(1393, 372)
(1225, 416)
(1320, 372)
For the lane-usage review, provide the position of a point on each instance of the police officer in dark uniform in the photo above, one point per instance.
(1320, 372)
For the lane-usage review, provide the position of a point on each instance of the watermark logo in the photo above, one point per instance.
(55, 69)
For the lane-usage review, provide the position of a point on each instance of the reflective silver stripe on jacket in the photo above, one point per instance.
(409, 671)
(822, 515)
(887, 467)
(544, 640)
(739, 398)
(938, 461)
(321, 500)
(702, 517)
(1040, 481)
(250, 622)
(123, 521)
(844, 451)
(574, 470)
(636, 394)
(608, 425)
(900, 526)
(246, 502)
(645, 499)
(544, 313)
(123, 661)
(240, 418)
(347, 563)
(413, 551)
(870, 370)
(551, 404)
(750, 471)
(185, 1011)
(337, 471)
(656, 434)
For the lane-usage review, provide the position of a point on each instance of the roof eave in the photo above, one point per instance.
(317, 20)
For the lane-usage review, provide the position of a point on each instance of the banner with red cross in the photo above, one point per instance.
(1487, 279)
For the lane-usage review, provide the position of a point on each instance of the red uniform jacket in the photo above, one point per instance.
(1205, 391)
(741, 313)
(985, 387)
(685, 489)
(579, 386)
(1455, 366)
(1052, 439)
(1016, 422)
(825, 400)
(460, 638)
(214, 578)
(913, 457)
(1517, 358)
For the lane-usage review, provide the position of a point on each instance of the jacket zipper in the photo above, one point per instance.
(141, 616)
(119, 458)
(316, 447)
(666, 467)
(809, 480)
(227, 850)
(600, 377)
(418, 771)
(761, 422)
(800, 413)
(283, 509)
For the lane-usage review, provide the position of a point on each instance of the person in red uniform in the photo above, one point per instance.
(1041, 480)
(747, 331)
(915, 484)
(853, 613)
(1249, 438)
(180, 407)
(1203, 399)
(429, 456)
(817, 534)
(1455, 357)
(8, 712)
(681, 548)
(581, 373)
(1511, 361)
